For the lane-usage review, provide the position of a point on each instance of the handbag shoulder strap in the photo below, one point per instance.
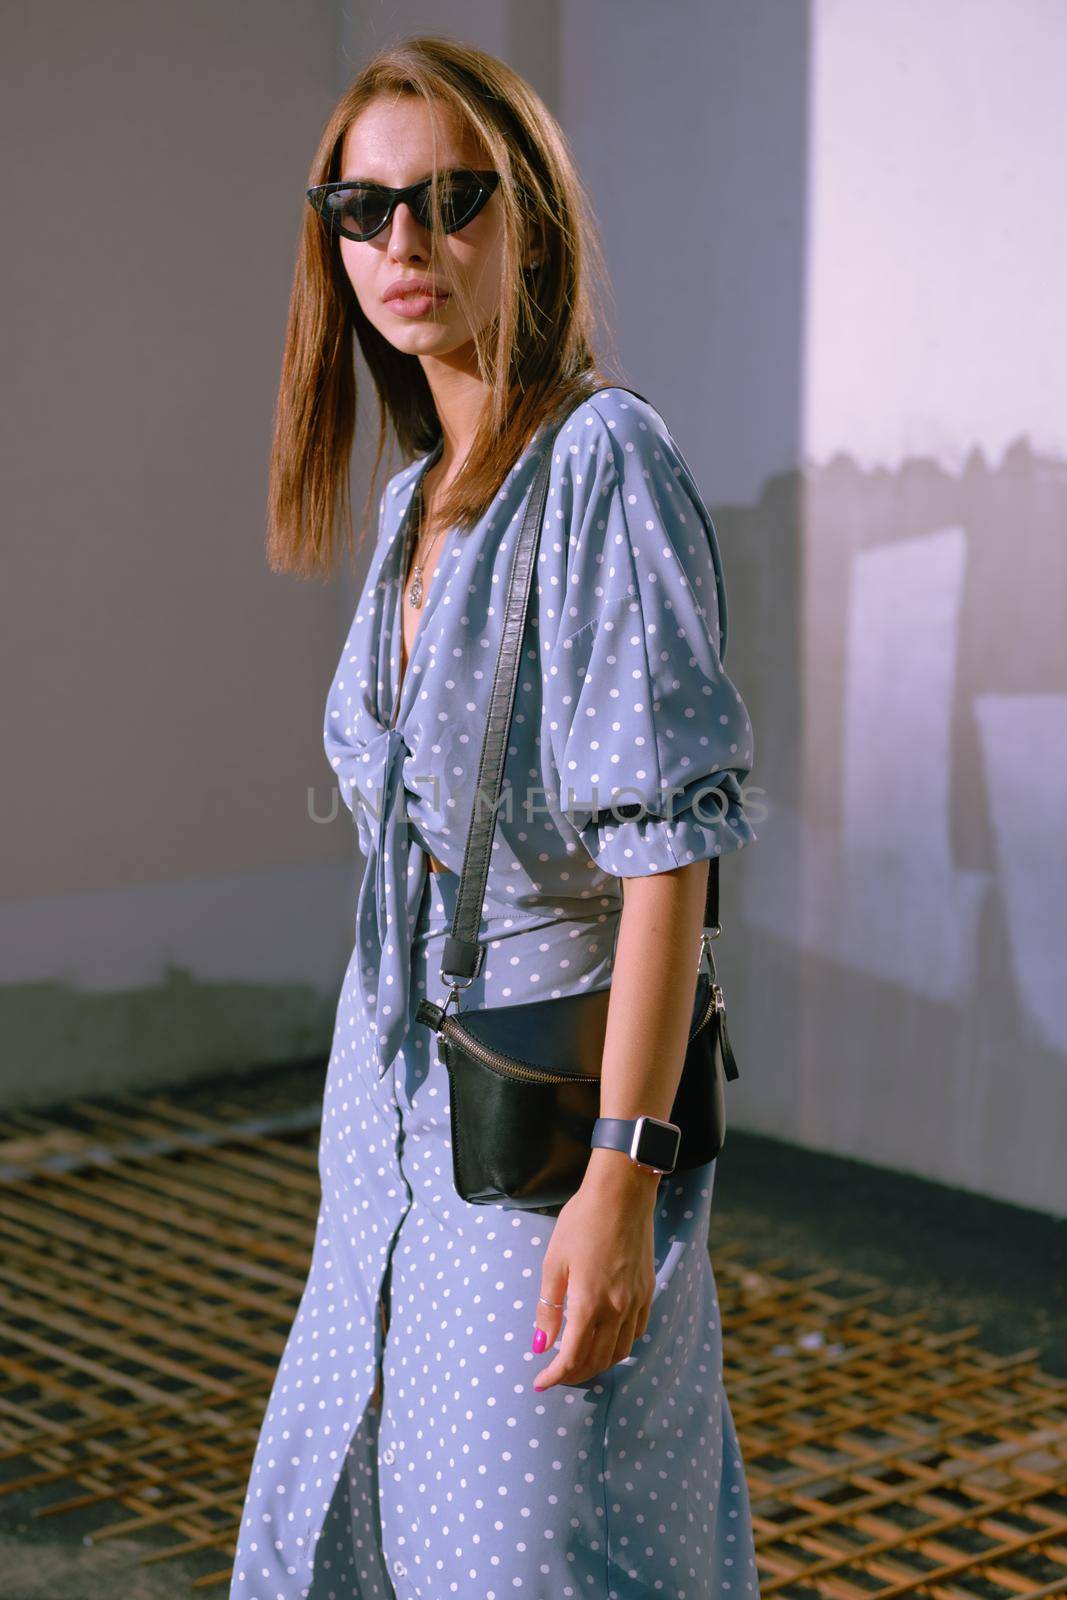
(463, 954)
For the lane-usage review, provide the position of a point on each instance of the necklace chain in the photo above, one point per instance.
(416, 587)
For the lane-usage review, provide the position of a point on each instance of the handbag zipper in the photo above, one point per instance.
(715, 1003)
(453, 1029)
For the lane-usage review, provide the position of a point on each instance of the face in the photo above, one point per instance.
(392, 142)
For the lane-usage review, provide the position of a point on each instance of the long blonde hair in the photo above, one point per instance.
(536, 357)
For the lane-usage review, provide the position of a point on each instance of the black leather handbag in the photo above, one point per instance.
(524, 1080)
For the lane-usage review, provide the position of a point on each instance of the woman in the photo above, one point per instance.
(417, 1442)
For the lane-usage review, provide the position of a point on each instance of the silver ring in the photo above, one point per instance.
(551, 1303)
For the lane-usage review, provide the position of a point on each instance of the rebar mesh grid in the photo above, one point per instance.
(153, 1255)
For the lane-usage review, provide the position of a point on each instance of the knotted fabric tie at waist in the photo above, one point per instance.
(390, 894)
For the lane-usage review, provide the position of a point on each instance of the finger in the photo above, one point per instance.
(579, 1332)
(643, 1321)
(548, 1318)
(645, 1317)
(593, 1355)
(627, 1334)
(602, 1354)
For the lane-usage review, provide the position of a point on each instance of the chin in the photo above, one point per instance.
(426, 339)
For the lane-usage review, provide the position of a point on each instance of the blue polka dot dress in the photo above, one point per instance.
(404, 1453)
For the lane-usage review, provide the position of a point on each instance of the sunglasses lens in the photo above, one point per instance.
(460, 196)
(359, 211)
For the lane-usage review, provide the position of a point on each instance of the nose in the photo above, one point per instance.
(407, 236)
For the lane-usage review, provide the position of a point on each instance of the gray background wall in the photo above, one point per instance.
(845, 303)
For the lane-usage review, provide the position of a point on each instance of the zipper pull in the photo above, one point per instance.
(729, 1062)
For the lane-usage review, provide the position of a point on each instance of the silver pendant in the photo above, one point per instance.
(415, 588)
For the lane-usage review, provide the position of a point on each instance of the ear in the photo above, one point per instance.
(535, 254)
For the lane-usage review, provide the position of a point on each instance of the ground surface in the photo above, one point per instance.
(961, 1258)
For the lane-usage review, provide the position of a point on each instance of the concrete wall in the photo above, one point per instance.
(168, 907)
(850, 311)
(836, 258)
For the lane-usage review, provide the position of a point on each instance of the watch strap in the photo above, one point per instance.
(617, 1133)
(613, 1133)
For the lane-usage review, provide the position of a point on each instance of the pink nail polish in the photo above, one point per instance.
(540, 1340)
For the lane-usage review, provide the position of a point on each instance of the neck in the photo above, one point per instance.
(459, 398)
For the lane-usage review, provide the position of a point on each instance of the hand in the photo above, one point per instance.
(601, 1256)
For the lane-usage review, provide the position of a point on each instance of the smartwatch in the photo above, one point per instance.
(646, 1140)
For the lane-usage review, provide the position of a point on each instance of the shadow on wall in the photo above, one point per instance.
(894, 954)
(899, 638)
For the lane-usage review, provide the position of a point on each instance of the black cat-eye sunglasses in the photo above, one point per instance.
(361, 210)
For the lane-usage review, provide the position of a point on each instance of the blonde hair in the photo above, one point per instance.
(536, 356)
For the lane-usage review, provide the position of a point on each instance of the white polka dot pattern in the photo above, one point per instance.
(622, 699)
(458, 1478)
(421, 1463)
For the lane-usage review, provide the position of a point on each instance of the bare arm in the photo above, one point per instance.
(650, 1011)
(601, 1253)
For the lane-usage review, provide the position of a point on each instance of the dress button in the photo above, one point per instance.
(400, 1569)
(388, 1456)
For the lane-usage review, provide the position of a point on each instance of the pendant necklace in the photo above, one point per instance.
(415, 588)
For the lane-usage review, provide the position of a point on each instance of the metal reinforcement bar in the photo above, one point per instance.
(152, 1259)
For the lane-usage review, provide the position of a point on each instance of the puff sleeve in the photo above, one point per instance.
(650, 738)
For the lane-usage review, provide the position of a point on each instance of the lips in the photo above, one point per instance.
(407, 288)
(415, 305)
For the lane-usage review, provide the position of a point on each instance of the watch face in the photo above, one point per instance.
(657, 1144)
